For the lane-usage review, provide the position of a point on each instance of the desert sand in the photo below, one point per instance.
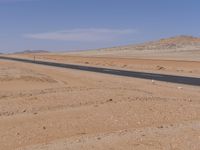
(49, 108)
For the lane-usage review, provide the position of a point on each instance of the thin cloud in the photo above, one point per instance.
(84, 35)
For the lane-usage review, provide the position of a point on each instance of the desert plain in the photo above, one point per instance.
(50, 108)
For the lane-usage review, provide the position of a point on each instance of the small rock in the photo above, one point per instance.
(98, 138)
(180, 88)
(161, 127)
(96, 105)
(160, 68)
(110, 100)
(152, 81)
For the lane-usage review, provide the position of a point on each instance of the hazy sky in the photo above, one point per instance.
(85, 24)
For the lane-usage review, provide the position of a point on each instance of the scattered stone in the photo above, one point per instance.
(44, 128)
(83, 133)
(124, 66)
(161, 127)
(98, 138)
(160, 68)
(110, 100)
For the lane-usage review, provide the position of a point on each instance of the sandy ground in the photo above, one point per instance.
(187, 53)
(48, 108)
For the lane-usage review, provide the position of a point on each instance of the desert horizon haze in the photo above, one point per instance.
(99, 75)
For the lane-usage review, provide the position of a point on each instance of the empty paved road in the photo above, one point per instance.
(143, 75)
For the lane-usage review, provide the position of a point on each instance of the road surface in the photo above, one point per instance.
(142, 75)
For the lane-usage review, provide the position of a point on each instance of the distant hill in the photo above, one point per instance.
(173, 43)
(177, 42)
(178, 47)
(31, 51)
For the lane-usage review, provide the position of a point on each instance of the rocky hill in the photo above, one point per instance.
(173, 43)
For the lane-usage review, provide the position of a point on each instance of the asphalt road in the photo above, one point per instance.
(142, 75)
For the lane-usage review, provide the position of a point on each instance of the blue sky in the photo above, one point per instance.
(61, 25)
